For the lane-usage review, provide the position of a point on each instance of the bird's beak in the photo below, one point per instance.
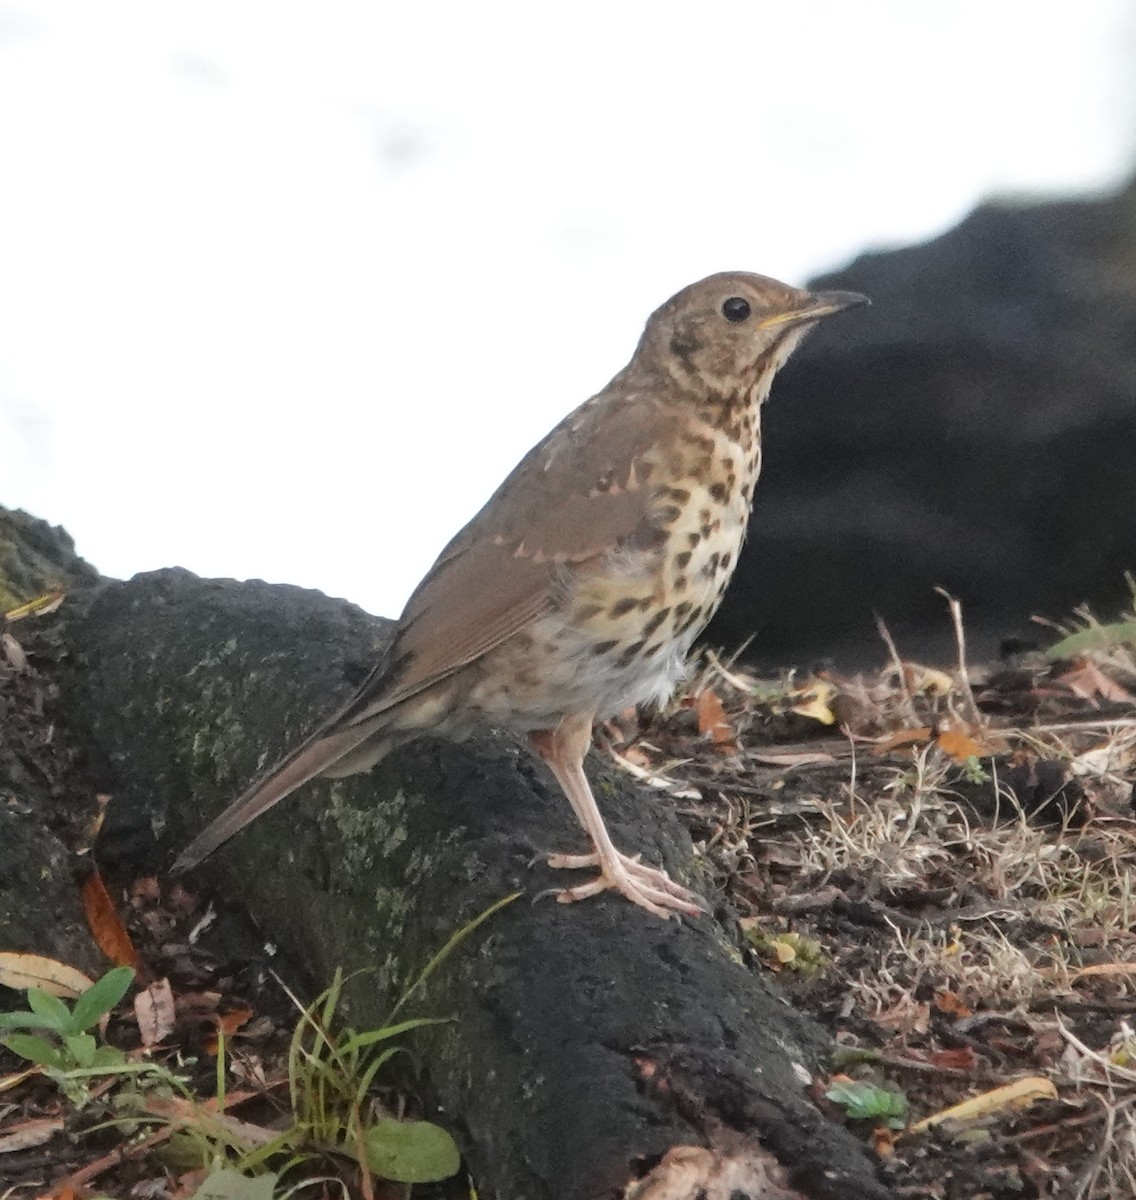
(817, 305)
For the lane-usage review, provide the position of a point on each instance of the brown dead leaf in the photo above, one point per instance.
(154, 1011)
(1088, 681)
(883, 1141)
(902, 737)
(793, 760)
(1109, 968)
(228, 1024)
(713, 722)
(26, 1134)
(960, 1058)
(951, 1004)
(105, 924)
(20, 971)
(959, 745)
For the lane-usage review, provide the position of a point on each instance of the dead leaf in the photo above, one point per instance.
(1109, 968)
(228, 1024)
(154, 1011)
(927, 681)
(39, 607)
(960, 1058)
(792, 760)
(815, 702)
(13, 651)
(1088, 681)
(11, 1081)
(712, 720)
(959, 745)
(106, 926)
(902, 737)
(1019, 1094)
(21, 971)
(883, 1141)
(26, 1134)
(951, 1004)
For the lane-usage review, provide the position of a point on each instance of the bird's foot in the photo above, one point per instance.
(648, 887)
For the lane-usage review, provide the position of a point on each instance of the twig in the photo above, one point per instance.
(969, 703)
(901, 676)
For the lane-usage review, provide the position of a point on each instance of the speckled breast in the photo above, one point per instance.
(623, 632)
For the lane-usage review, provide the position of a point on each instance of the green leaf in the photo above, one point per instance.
(81, 1047)
(232, 1185)
(21, 1020)
(411, 1151)
(34, 1049)
(108, 1056)
(101, 997)
(1121, 633)
(54, 1013)
(867, 1102)
(361, 1040)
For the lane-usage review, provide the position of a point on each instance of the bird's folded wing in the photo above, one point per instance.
(576, 497)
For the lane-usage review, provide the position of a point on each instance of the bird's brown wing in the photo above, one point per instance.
(575, 497)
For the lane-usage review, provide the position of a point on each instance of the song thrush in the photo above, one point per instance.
(579, 587)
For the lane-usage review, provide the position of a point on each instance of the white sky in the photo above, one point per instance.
(285, 289)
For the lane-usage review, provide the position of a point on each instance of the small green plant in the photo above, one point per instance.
(331, 1076)
(68, 1044)
(868, 1102)
(64, 1047)
(973, 771)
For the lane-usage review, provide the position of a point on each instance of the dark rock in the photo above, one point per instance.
(975, 429)
(586, 1042)
(35, 557)
(41, 910)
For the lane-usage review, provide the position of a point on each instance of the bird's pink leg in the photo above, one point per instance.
(564, 748)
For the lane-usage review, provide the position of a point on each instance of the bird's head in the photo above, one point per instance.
(728, 334)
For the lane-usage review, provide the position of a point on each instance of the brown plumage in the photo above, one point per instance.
(579, 587)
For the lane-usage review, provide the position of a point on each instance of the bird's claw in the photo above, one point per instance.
(648, 887)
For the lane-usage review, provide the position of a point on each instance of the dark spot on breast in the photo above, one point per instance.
(691, 620)
(682, 560)
(679, 584)
(727, 558)
(631, 653)
(711, 567)
(656, 621)
(679, 495)
(693, 539)
(652, 650)
(624, 606)
(720, 492)
(682, 609)
(588, 612)
(669, 513)
(705, 515)
(601, 648)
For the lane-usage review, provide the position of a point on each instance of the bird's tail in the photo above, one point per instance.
(341, 748)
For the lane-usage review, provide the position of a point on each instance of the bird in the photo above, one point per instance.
(579, 588)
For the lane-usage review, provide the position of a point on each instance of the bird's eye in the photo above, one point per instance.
(736, 309)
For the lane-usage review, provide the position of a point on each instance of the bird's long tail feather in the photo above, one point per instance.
(308, 760)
